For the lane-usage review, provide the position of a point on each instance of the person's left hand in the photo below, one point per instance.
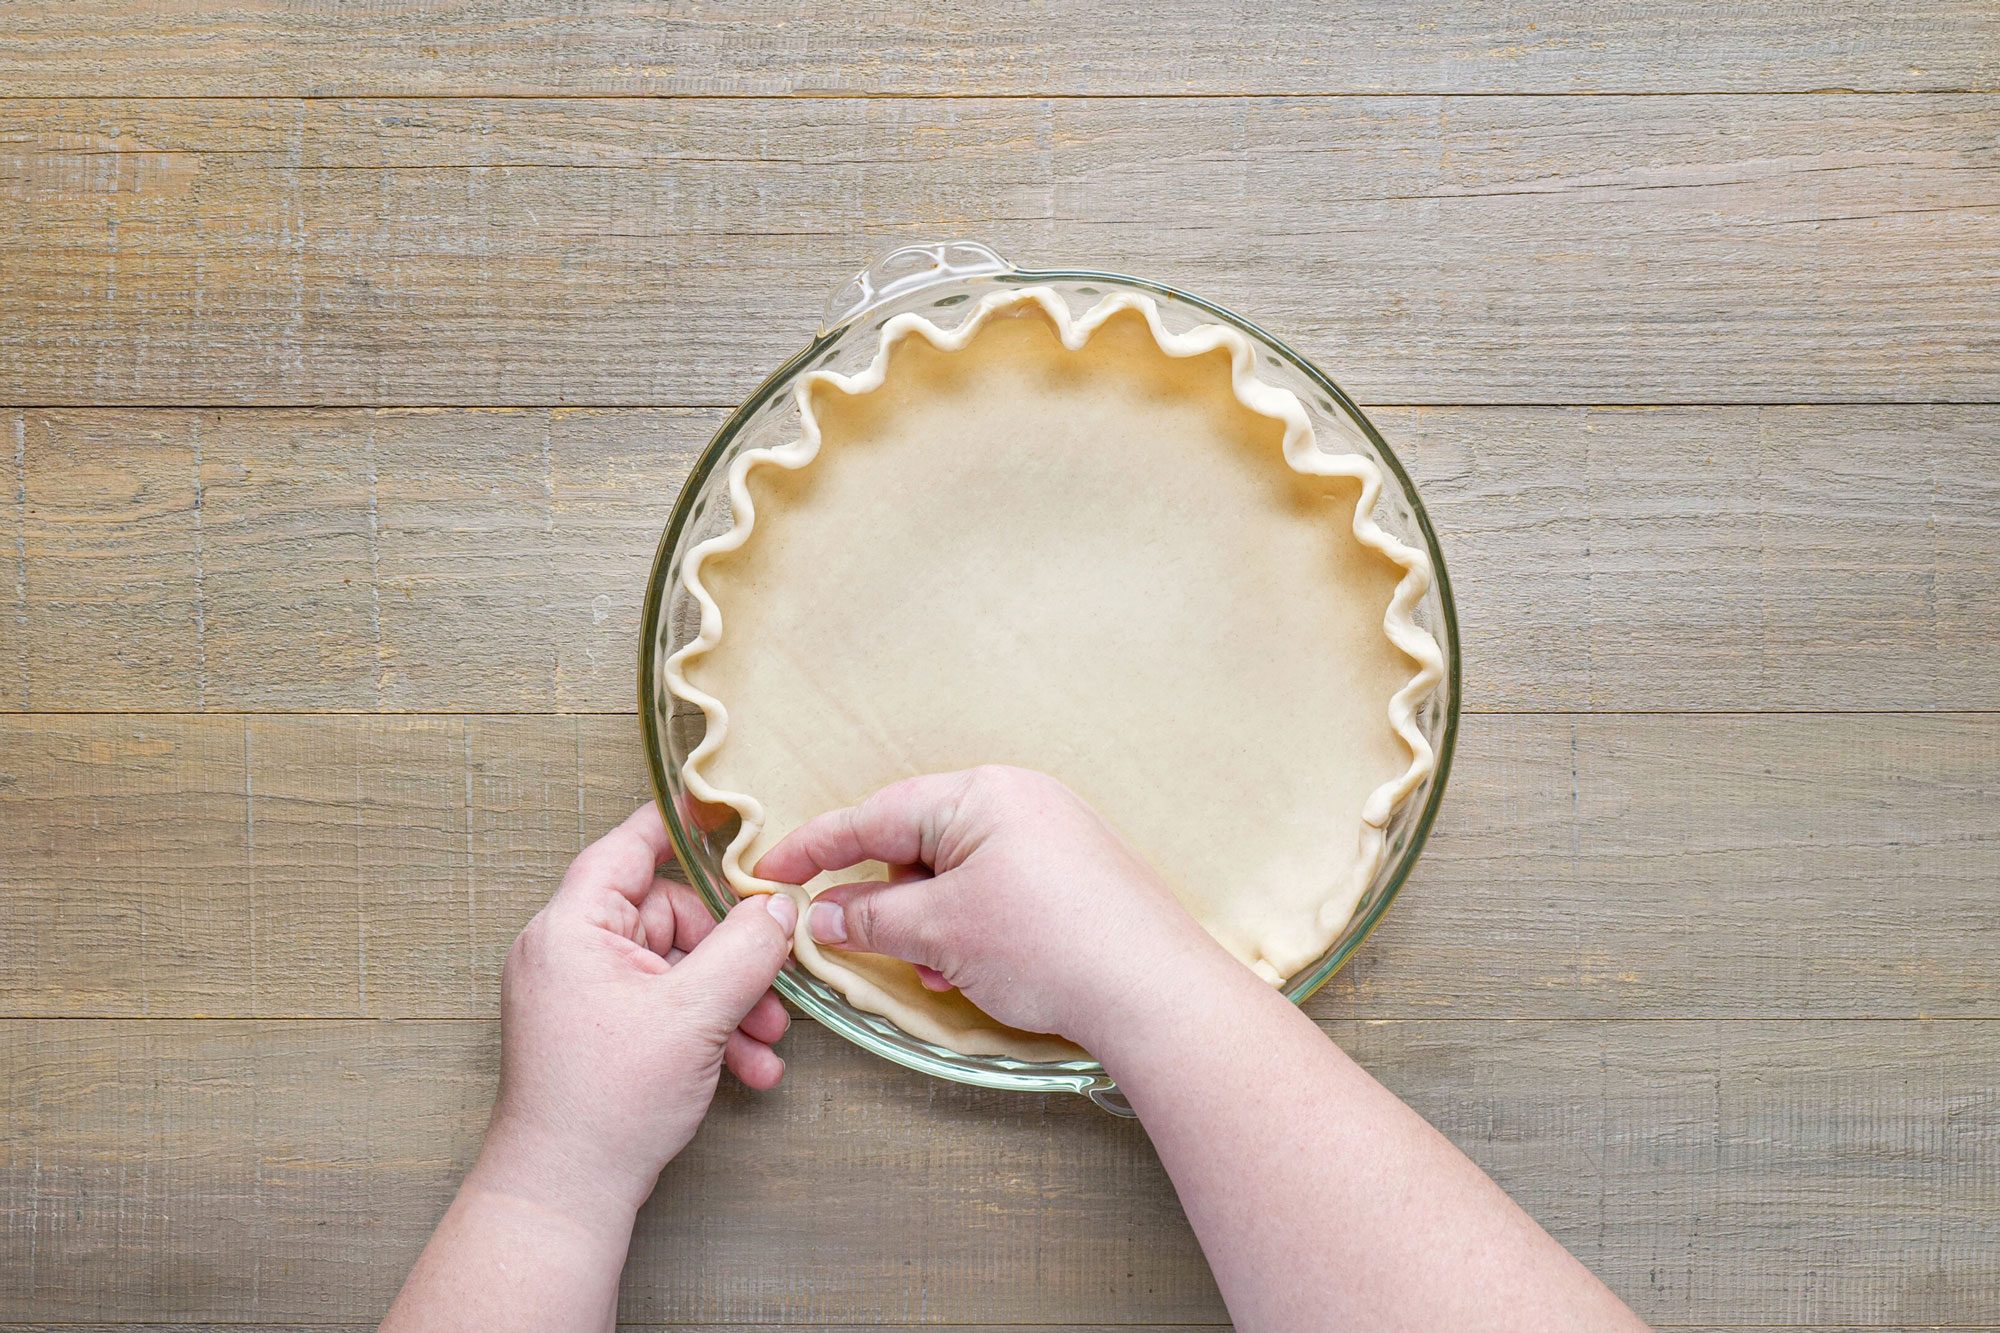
(620, 1004)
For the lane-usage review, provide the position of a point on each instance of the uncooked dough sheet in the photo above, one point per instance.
(1096, 560)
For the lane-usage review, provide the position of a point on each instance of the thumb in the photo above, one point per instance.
(735, 964)
(896, 919)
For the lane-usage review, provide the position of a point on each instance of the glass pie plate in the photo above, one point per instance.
(941, 281)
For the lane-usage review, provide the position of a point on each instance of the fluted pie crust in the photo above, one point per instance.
(1085, 545)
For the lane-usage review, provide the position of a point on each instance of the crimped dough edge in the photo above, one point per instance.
(1300, 453)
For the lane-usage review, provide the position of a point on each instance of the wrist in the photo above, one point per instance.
(555, 1173)
(1160, 1003)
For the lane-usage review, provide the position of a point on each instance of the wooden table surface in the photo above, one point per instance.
(350, 359)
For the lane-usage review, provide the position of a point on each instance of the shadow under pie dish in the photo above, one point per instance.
(1075, 522)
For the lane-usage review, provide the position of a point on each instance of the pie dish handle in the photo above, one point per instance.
(903, 271)
(1108, 1097)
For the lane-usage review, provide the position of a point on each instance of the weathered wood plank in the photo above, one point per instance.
(1584, 867)
(302, 560)
(244, 856)
(453, 560)
(1750, 559)
(268, 48)
(1425, 250)
(1724, 1172)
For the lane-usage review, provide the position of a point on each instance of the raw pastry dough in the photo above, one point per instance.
(1086, 546)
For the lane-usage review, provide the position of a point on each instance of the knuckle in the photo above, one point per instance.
(591, 862)
(617, 852)
(993, 777)
(762, 926)
(929, 937)
(820, 838)
(843, 831)
(860, 917)
(626, 850)
(878, 930)
(1007, 784)
(526, 944)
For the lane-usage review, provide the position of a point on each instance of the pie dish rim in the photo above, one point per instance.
(815, 995)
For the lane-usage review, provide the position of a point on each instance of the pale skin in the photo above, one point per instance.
(1320, 1200)
(620, 1005)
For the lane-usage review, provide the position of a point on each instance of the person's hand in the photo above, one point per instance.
(1009, 888)
(620, 1004)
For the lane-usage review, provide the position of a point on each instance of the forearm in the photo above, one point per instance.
(512, 1254)
(1320, 1199)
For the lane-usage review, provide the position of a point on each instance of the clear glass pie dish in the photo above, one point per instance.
(935, 281)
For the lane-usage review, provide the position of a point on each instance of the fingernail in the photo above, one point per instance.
(783, 910)
(828, 923)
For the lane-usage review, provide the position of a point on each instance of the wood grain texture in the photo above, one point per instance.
(446, 47)
(1712, 994)
(1711, 1172)
(454, 560)
(1424, 250)
(379, 560)
(1583, 868)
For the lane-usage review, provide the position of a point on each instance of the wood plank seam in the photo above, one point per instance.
(20, 434)
(1163, 95)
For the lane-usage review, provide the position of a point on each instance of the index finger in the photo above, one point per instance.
(898, 824)
(623, 860)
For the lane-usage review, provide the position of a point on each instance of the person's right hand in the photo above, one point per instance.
(1020, 896)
